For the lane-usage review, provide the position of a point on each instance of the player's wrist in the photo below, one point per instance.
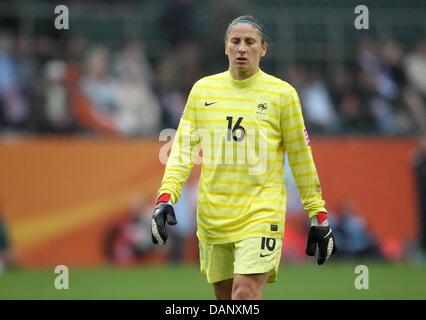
(320, 220)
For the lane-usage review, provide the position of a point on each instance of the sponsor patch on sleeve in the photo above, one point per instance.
(308, 142)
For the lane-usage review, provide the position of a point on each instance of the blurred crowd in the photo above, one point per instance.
(81, 89)
(74, 86)
(383, 91)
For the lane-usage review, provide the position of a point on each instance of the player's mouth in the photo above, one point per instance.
(241, 60)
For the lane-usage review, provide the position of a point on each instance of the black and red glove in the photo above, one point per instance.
(321, 234)
(163, 212)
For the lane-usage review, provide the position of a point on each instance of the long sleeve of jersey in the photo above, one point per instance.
(298, 147)
(182, 154)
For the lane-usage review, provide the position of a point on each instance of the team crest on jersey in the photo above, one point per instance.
(262, 109)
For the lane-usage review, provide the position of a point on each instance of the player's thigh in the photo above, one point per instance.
(260, 255)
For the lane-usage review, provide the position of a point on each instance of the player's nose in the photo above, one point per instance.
(242, 49)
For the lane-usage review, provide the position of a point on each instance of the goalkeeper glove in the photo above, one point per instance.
(321, 234)
(163, 213)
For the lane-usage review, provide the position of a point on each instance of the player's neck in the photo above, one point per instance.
(241, 75)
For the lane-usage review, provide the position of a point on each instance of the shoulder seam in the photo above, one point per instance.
(281, 82)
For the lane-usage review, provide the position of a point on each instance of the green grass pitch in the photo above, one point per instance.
(182, 282)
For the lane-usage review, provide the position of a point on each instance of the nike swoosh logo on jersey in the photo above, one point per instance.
(327, 234)
(264, 255)
(209, 104)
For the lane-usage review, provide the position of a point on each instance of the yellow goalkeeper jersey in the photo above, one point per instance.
(242, 129)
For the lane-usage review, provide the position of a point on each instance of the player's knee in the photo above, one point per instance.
(245, 291)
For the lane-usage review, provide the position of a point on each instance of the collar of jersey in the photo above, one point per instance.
(243, 83)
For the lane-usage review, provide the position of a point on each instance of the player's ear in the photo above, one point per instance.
(263, 50)
(226, 49)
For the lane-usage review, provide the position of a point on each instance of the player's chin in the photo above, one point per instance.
(241, 67)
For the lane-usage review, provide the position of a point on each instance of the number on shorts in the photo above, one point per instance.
(269, 242)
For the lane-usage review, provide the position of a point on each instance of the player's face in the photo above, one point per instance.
(244, 48)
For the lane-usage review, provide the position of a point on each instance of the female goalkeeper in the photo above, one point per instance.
(244, 121)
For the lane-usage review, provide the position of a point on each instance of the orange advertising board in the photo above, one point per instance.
(59, 196)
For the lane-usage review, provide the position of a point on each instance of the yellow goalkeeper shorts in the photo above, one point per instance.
(250, 256)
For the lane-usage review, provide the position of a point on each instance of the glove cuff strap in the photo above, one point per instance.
(165, 197)
(322, 216)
